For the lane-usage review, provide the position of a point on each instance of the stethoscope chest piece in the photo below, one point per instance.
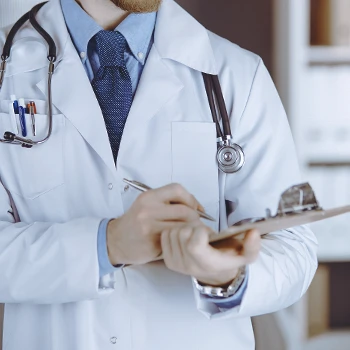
(230, 158)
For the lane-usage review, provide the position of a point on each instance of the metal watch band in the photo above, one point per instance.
(218, 292)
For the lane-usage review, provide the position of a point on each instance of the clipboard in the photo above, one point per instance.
(298, 206)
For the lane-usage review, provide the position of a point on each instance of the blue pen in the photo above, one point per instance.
(16, 107)
(22, 116)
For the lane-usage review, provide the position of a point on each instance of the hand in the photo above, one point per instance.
(187, 250)
(135, 237)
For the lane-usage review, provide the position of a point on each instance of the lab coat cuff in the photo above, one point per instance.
(105, 266)
(233, 301)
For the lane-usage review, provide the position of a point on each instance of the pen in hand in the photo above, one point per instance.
(144, 188)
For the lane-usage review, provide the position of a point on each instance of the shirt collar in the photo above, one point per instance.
(138, 31)
(136, 28)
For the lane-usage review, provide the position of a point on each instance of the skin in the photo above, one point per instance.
(110, 13)
(153, 226)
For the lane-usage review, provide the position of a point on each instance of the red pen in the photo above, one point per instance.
(32, 111)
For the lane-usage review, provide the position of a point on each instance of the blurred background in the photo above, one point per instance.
(306, 46)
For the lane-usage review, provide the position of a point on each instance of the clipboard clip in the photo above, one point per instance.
(295, 200)
(298, 199)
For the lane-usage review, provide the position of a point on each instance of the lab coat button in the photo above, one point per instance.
(141, 55)
(110, 186)
(82, 55)
(113, 340)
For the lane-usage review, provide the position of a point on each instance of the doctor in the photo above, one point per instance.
(75, 271)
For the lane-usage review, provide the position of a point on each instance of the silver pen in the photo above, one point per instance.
(32, 111)
(144, 188)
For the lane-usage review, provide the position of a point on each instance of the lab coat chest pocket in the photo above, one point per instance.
(32, 172)
(194, 162)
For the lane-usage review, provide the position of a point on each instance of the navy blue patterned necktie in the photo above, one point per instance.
(112, 85)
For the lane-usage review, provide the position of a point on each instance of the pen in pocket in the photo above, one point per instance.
(15, 103)
(32, 111)
(22, 116)
(13, 119)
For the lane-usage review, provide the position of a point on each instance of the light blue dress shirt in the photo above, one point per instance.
(138, 31)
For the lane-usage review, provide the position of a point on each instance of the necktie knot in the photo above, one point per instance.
(111, 47)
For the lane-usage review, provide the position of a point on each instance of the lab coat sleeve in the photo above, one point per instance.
(105, 265)
(48, 263)
(288, 261)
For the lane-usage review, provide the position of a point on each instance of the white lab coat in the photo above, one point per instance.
(49, 271)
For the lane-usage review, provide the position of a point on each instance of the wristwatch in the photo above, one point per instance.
(219, 292)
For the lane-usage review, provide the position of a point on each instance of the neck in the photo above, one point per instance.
(104, 12)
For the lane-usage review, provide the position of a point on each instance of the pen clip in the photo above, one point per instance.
(137, 185)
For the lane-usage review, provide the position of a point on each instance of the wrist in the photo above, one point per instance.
(114, 255)
(222, 281)
(221, 291)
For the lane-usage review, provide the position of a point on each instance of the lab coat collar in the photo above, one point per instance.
(158, 85)
(179, 37)
(72, 93)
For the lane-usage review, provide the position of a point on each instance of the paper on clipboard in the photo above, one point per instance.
(280, 222)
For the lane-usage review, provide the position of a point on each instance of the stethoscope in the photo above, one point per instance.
(230, 156)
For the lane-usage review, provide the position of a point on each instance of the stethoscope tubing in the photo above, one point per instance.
(217, 103)
(9, 137)
(211, 82)
(209, 89)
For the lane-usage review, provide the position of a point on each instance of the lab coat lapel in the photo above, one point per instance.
(179, 37)
(72, 93)
(157, 86)
(187, 44)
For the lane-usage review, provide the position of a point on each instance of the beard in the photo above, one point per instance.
(138, 6)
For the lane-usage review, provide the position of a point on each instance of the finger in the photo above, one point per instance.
(241, 252)
(173, 257)
(197, 243)
(166, 245)
(177, 212)
(251, 246)
(229, 244)
(159, 226)
(175, 193)
(185, 236)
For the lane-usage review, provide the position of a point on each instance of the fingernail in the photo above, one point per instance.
(201, 208)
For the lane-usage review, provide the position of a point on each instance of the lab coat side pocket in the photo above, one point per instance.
(194, 162)
(30, 173)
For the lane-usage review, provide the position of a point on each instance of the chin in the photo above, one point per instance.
(138, 6)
